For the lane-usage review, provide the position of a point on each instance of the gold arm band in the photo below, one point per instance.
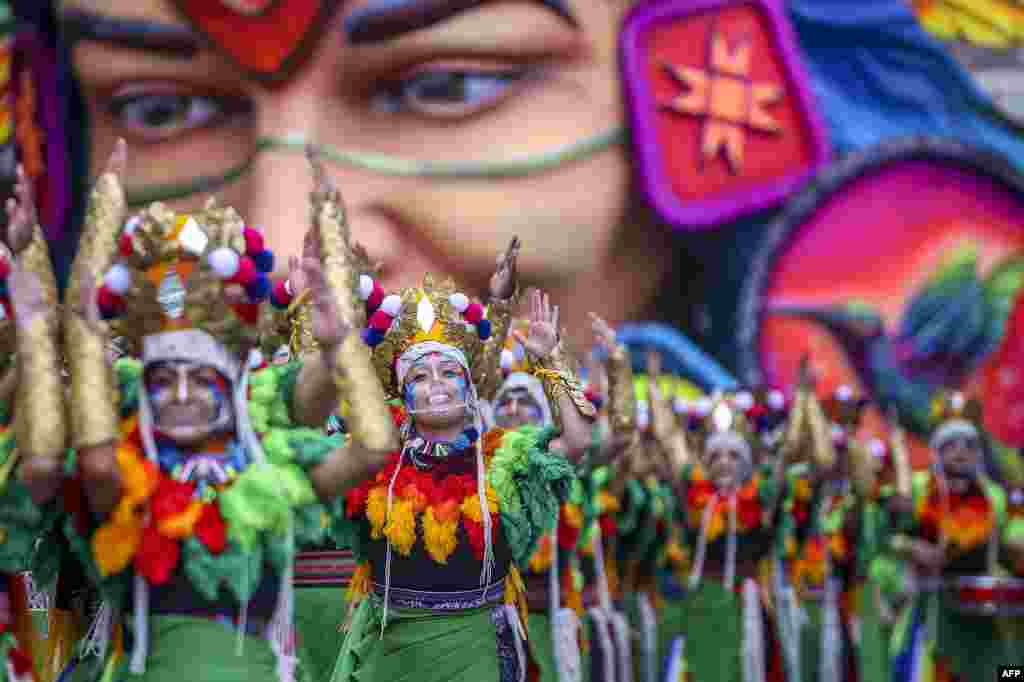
(862, 471)
(40, 421)
(93, 394)
(489, 381)
(370, 419)
(558, 378)
(621, 400)
(901, 463)
(667, 429)
(823, 451)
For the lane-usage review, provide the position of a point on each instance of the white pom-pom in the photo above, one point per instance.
(519, 351)
(508, 359)
(702, 407)
(876, 447)
(643, 415)
(459, 301)
(680, 405)
(224, 262)
(744, 401)
(844, 393)
(118, 279)
(776, 400)
(255, 359)
(365, 287)
(391, 305)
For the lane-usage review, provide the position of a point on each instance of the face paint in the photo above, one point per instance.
(384, 164)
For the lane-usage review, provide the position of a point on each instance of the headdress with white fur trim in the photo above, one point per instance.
(954, 415)
(432, 312)
(172, 272)
(845, 407)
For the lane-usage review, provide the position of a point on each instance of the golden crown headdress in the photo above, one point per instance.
(845, 407)
(948, 405)
(171, 274)
(725, 413)
(432, 312)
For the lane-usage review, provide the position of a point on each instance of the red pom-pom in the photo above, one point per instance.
(380, 321)
(171, 498)
(247, 312)
(211, 529)
(253, 240)
(279, 295)
(20, 661)
(5, 268)
(355, 500)
(157, 556)
(125, 245)
(108, 301)
(247, 272)
(474, 313)
(376, 298)
(568, 535)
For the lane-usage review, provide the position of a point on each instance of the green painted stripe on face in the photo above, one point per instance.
(383, 164)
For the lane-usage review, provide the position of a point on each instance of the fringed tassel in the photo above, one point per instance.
(624, 644)
(753, 634)
(648, 637)
(564, 625)
(730, 546)
(512, 615)
(515, 596)
(487, 570)
(599, 616)
(282, 632)
(97, 639)
(831, 635)
(790, 619)
(140, 647)
(697, 571)
(387, 550)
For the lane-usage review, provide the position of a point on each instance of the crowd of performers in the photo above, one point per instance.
(185, 439)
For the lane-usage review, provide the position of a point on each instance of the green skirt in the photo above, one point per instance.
(419, 646)
(712, 618)
(671, 625)
(319, 615)
(185, 648)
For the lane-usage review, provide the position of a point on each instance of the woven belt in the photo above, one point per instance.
(324, 569)
(463, 600)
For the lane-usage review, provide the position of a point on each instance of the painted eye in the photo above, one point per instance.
(448, 92)
(156, 116)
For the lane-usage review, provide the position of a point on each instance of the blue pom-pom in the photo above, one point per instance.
(258, 289)
(483, 329)
(472, 434)
(264, 260)
(372, 337)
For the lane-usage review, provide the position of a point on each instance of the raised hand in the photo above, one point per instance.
(329, 327)
(503, 282)
(28, 298)
(21, 213)
(604, 335)
(542, 338)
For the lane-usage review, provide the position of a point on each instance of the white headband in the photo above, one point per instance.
(729, 440)
(420, 350)
(191, 345)
(533, 386)
(951, 430)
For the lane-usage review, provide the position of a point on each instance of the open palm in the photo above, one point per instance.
(542, 336)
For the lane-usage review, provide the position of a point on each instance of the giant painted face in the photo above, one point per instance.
(437, 392)
(488, 93)
(190, 402)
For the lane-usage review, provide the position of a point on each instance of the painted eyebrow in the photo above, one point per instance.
(383, 20)
(171, 40)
